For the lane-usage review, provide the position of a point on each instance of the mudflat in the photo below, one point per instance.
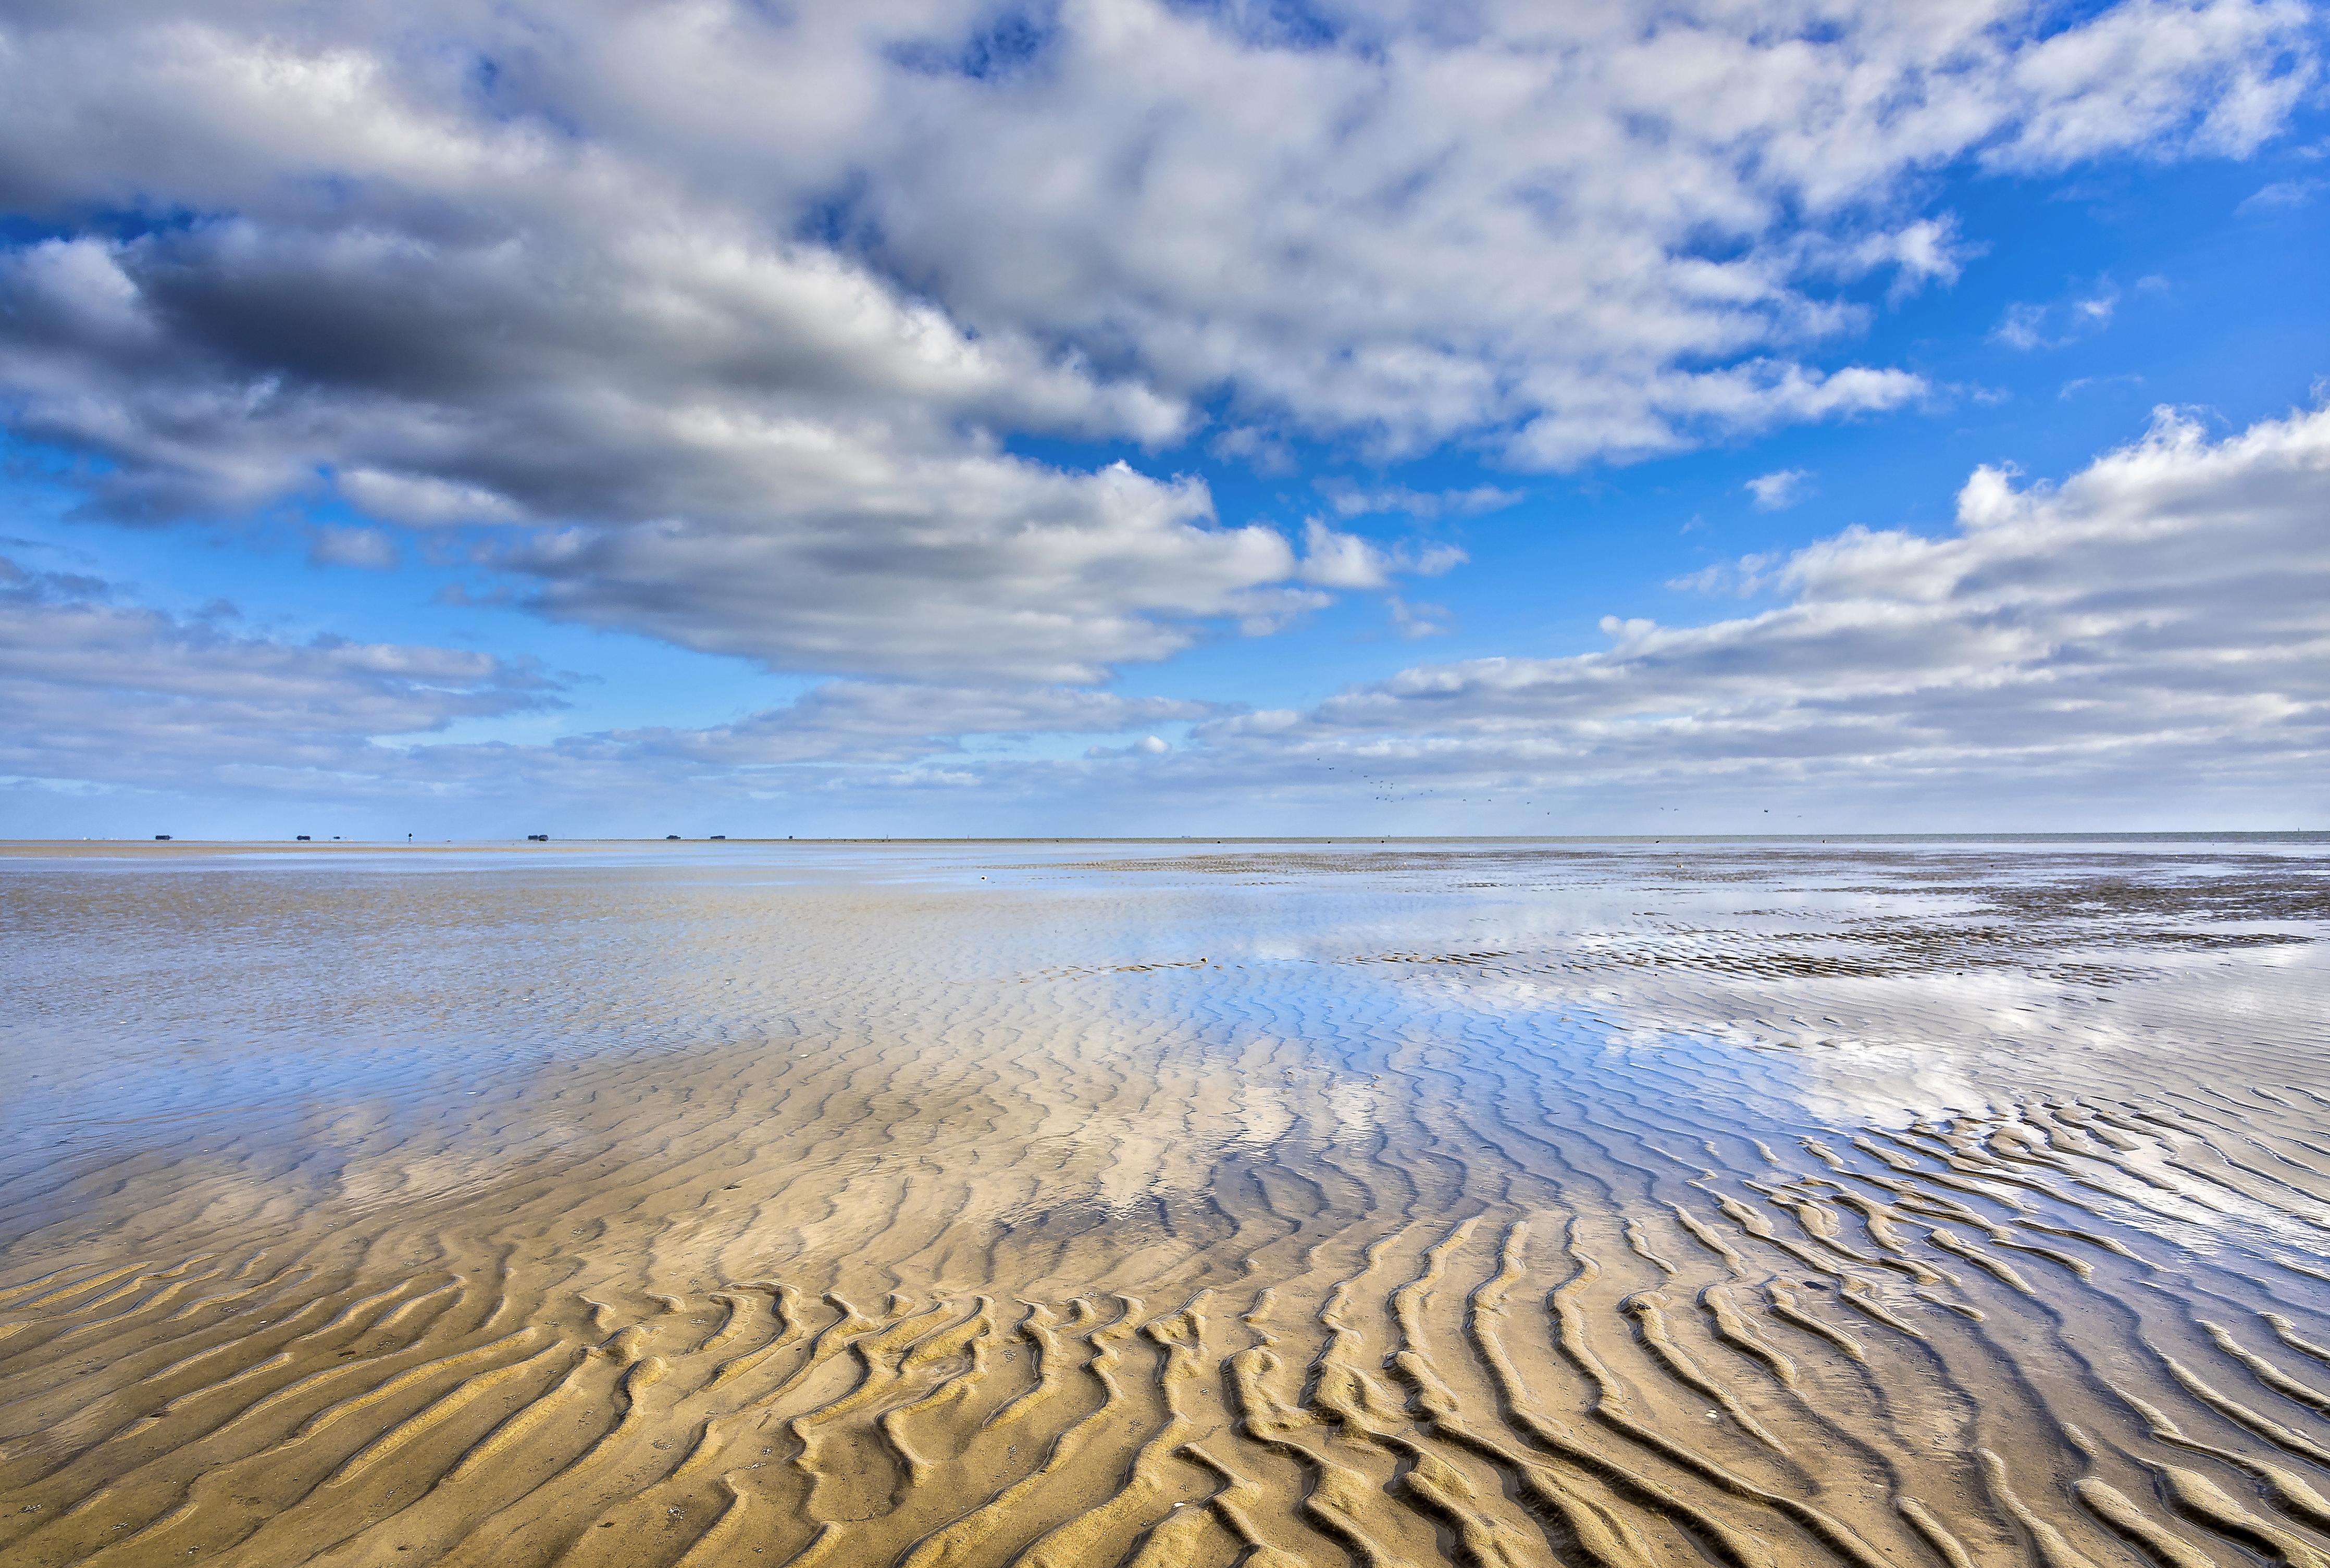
(1631, 1204)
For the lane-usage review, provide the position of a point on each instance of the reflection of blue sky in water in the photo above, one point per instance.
(1944, 1130)
(321, 1007)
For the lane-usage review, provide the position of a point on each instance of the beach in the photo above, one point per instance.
(1629, 1203)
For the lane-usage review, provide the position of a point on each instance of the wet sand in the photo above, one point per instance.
(1627, 1205)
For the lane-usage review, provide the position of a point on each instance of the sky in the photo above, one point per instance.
(473, 418)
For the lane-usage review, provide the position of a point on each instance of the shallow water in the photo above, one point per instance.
(1884, 1202)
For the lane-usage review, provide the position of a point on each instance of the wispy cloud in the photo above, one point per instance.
(99, 691)
(2282, 195)
(1351, 500)
(1419, 620)
(2026, 325)
(1780, 489)
(2019, 327)
(370, 548)
(2077, 384)
(1334, 560)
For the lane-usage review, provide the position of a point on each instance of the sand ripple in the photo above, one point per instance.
(1509, 1206)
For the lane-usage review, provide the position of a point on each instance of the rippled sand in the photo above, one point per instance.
(1884, 1204)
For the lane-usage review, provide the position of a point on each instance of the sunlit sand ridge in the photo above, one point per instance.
(1505, 1205)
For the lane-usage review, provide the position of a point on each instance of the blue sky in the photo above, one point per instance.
(620, 421)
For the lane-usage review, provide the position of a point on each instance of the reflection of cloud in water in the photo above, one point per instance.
(1354, 1110)
(1264, 1115)
(978, 1189)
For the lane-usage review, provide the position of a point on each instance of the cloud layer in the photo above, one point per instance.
(2154, 628)
(2162, 619)
(102, 693)
(719, 322)
(98, 692)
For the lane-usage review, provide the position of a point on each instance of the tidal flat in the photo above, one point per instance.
(1881, 1203)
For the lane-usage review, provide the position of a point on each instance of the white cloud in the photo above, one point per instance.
(803, 514)
(1780, 489)
(95, 690)
(1351, 500)
(2096, 309)
(2152, 633)
(2078, 384)
(2127, 75)
(1333, 560)
(1925, 251)
(2020, 326)
(422, 499)
(2163, 616)
(2283, 194)
(738, 303)
(369, 548)
(1419, 620)
(1427, 226)
(1671, 411)
(101, 692)
(861, 722)
(967, 567)
(2026, 325)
